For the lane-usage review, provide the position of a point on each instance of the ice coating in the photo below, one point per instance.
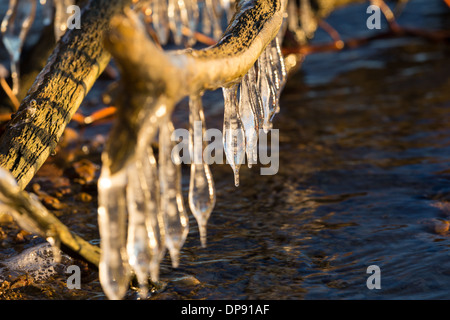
(138, 242)
(249, 118)
(175, 10)
(160, 20)
(112, 213)
(202, 195)
(176, 221)
(14, 28)
(183, 18)
(148, 177)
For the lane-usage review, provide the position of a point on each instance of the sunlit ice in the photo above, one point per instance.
(186, 151)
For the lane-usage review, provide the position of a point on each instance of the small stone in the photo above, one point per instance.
(84, 197)
(85, 169)
(187, 281)
(20, 236)
(36, 187)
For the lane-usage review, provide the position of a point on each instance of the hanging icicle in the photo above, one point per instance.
(233, 132)
(61, 16)
(211, 20)
(14, 28)
(112, 213)
(176, 221)
(160, 20)
(202, 195)
(249, 118)
(138, 242)
(148, 177)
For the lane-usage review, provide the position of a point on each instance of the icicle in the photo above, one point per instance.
(265, 89)
(278, 70)
(255, 98)
(176, 221)
(149, 180)
(47, 11)
(175, 24)
(160, 20)
(15, 26)
(227, 8)
(190, 18)
(247, 112)
(61, 16)
(114, 268)
(202, 195)
(233, 133)
(138, 242)
(211, 20)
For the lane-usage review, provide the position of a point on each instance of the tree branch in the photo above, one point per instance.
(77, 61)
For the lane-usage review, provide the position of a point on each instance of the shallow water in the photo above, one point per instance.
(364, 166)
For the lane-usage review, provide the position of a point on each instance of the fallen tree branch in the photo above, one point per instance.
(32, 216)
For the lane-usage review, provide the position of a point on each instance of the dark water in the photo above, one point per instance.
(364, 166)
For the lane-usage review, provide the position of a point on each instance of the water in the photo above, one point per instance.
(364, 165)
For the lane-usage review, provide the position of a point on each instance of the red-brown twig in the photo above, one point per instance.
(94, 117)
(431, 35)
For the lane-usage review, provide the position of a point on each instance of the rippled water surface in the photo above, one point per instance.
(364, 169)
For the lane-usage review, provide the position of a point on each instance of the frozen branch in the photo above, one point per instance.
(154, 80)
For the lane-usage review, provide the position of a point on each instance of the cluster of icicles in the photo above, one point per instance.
(18, 20)
(141, 208)
(183, 18)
